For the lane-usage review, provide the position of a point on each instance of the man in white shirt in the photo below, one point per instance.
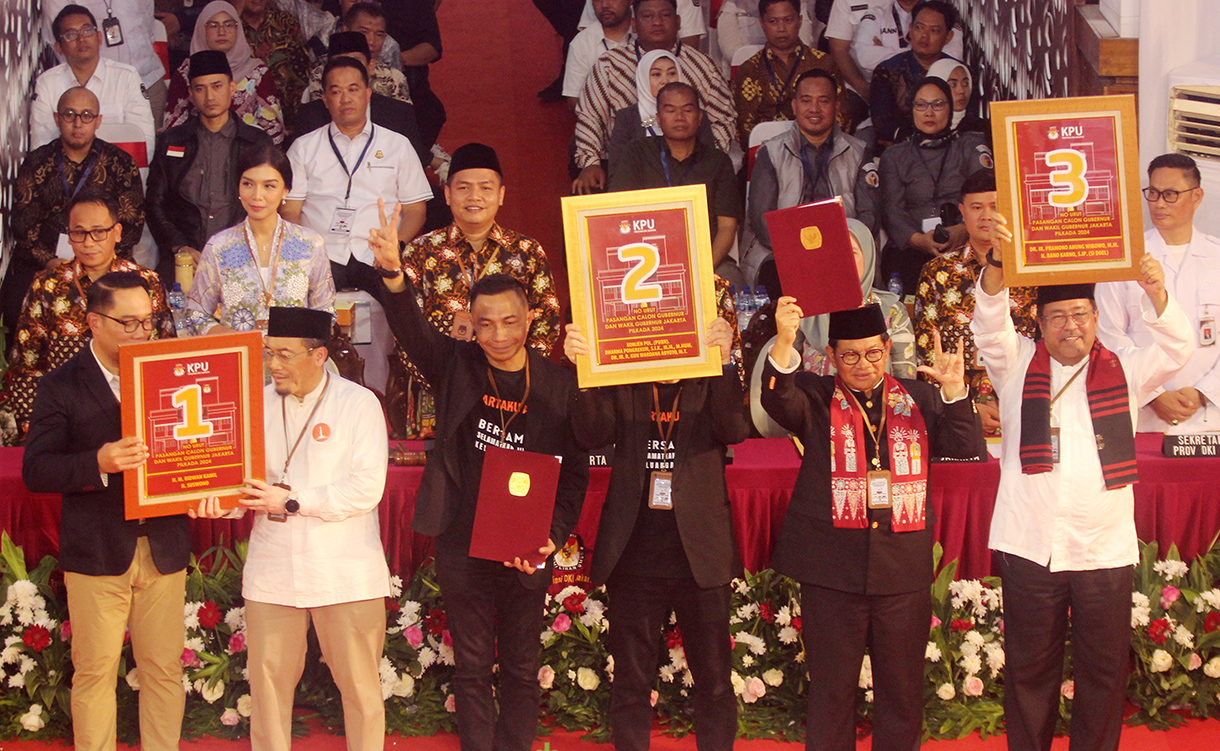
(1064, 519)
(1187, 402)
(342, 169)
(613, 29)
(78, 38)
(315, 549)
(689, 11)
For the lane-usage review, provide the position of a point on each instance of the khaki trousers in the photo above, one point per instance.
(150, 604)
(351, 636)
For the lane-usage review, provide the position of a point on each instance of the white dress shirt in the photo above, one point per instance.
(878, 25)
(690, 14)
(117, 87)
(390, 170)
(330, 551)
(1194, 281)
(584, 50)
(112, 380)
(135, 18)
(1068, 520)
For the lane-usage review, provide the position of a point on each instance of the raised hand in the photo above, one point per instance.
(1152, 282)
(720, 334)
(383, 240)
(948, 368)
(574, 343)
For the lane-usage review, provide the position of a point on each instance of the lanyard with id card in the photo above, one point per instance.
(660, 484)
(877, 479)
(344, 218)
(1055, 429)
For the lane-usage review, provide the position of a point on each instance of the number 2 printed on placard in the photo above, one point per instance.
(1068, 167)
(636, 289)
(190, 400)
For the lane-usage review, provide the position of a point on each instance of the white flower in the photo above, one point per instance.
(1212, 668)
(677, 656)
(1171, 570)
(243, 705)
(754, 643)
(868, 696)
(235, 619)
(995, 658)
(747, 611)
(946, 691)
(1210, 598)
(1183, 636)
(1160, 662)
(404, 686)
(688, 680)
(568, 591)
(740, 586)
(1141, 609)
(587, 679)
(133, 679)
(445, 654)
(16, 681)
(783, 616)
(972, 686)
(866, 673)
(788, 635)
(932, 652)
(773, 677)
(21, 593)
(190, 615)
(739, 684)
(211, 692)
(396, 586)
(610, 665)
(594, 614)
(426, 657)
(974, 637)
(195, 644)
(667, 673)
(571, 675)
(747, 660)
(409, 614)
(971, 664)
(32, 720)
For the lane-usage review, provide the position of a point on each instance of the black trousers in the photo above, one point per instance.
(1036, 605)
(638, 611)
(838, 626)
(490, 613)
(357, 275)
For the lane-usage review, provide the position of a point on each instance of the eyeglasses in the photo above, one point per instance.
(78, 235)
(72, 116)
(851, 358)
(71, 35)
(131, 325)
(938, 106)
(226, 25)
(283, 357)
(1059, 320)
(1170, 196)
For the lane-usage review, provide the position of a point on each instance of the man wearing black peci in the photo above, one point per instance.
(492, 391)
(858, 532)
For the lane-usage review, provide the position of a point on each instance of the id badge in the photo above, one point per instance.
(1207, 331)
(279, 517)
(343, 221)
(879, 489)
(660, 491)
(1054, 445)
(931, 223)
(63, 248)
(113, 31)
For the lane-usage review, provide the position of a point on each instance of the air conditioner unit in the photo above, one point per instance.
(1194, 127)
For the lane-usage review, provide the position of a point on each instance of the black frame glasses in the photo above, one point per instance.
(72, 116)
(851, 358)
(79, 235)
(1151, 194)
(131, 326)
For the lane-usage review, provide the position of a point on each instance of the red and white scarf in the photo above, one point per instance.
(909, 456)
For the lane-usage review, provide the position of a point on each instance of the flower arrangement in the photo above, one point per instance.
(575, 665)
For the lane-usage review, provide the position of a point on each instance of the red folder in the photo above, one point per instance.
(516, 500)
(814, 258)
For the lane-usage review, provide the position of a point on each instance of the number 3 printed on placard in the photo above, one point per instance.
(636, 289)
(1067, 176)
(190, 399)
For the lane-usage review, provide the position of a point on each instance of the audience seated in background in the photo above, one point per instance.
(763, 86)
(946, 294)
(257, 100)
(78, 38)
(52, 326)
(845, 18)
(386, 49)
(316, 25)
(611, 86)
(813, 160)
(740, 24)
(264, 261)
(886, 30)
(921, 181)
(341, 171)
(47, 180)
(275, 38)
(192, 183)
(383, 79)
(678, 158)
(689, 13)
(613, 29)
(961, 84)
(639, 120)
(1185, 403)
(894, 79)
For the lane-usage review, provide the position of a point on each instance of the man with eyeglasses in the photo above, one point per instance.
(1064, 519)
(53, 326)
(1187, 402)
(119, 574)
(857, 534)
(79, 40)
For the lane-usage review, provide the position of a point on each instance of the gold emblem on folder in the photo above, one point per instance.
(811, 238)
(519, 484)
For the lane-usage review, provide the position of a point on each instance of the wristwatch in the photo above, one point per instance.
(991, 261)
(292, 505)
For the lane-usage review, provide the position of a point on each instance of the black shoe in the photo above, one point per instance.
(554, 92)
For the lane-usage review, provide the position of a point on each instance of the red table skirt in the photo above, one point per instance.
(1176, 501)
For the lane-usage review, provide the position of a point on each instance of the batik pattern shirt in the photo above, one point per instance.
(385, 81)
(277, 42)
(52, 329)
(764, 94)
(256, 101)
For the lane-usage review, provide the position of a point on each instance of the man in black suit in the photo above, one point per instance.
(192, 182)
(665, 540)
(858, 532)
(494, 391)
(118, 573)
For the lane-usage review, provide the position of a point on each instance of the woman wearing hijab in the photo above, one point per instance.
(655, 69)
(256, 100)
(961, 85)
(921, 180)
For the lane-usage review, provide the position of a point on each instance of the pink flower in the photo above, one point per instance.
(562, 623)
(189, 660)
(230, 717)
(652, 698)
(414, 636)
(1068, 690)
(972, 686)
(65, 631)
(755, 690)
(447, 638)
(546, 677)
(935, 621)
(1196, 661)
(237, 643)
(1169, 595)
(732, 643)
(450, 703)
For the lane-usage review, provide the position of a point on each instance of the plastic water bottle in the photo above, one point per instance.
(746, 305)
(895, 285)
(761, 297)
(177, 306)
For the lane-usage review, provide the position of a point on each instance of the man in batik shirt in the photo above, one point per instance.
(946, 291)
(52, 326)
(275, 38)
(443, 265)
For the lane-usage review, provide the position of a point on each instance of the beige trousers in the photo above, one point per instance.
(351, 636)
(150, 604)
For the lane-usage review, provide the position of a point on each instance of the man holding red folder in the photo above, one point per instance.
(493, 391)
